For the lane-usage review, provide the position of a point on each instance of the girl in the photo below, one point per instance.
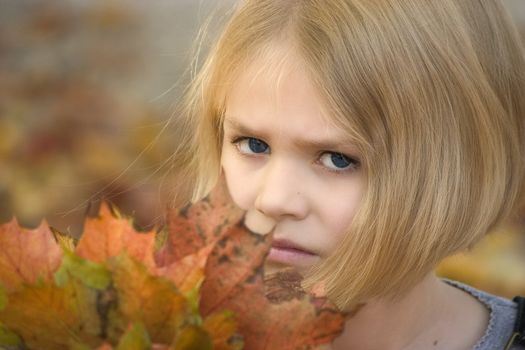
(373, 138)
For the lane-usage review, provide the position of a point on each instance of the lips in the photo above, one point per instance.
(290, 253)
(285, 244)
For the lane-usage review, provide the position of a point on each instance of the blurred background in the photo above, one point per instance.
(87, 90)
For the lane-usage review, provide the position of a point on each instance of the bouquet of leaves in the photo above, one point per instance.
(198, 284)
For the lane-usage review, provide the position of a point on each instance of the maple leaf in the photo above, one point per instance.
(27, 255)
(222, 326)
(43, 315)
(234, 280)
(153, 299)
(200, 225)
(109, 235)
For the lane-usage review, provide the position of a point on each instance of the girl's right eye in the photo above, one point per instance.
(250, 145)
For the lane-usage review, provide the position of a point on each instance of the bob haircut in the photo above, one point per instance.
(431, 92)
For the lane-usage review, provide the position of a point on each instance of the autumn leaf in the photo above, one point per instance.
(233, 278)
(152, 299)
(44, 314)
(3, 297)
(233, 267)
(108, 235)
(188, 272)
(92, 274)
(193, 337)
(199, 225)
(27, 255)
(8, 338)
(222, 326)
(136, 338)
(234, 281)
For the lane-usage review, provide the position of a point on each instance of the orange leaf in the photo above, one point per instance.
(188, 272)
(26, 255)
(107, 236)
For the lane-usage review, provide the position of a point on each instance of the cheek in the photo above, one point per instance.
(338, 212)
(237, 179)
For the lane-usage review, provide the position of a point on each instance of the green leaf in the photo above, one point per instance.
(193, 297)
(8, 338)
(136, 338)
(78, 346)
(91, 274)
(192, 338)
(3, 297)
(161, 237)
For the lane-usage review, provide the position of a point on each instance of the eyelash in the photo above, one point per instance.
(237, 139)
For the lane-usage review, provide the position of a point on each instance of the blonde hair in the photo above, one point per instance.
(431, 93)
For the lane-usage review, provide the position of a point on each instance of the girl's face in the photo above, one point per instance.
(288, 166)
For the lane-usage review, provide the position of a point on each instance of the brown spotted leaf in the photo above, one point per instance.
(291, 320)
(199, 225)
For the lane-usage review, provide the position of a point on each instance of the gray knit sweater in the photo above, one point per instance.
(503, 314)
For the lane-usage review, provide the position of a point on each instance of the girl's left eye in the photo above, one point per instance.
(338, 162)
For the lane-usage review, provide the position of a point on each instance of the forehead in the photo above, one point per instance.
(275, 96)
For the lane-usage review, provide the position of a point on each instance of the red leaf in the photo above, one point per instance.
(233, 266)
(234, 281)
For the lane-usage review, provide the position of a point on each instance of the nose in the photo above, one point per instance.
(280, 192)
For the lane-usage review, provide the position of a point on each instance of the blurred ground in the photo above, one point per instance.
(86, 93)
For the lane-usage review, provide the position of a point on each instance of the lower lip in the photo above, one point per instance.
(291, 256)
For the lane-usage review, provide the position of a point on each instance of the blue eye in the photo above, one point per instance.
(249, 145)
(339, 162)
(331, 161)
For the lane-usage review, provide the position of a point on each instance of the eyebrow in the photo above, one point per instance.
(333, 144)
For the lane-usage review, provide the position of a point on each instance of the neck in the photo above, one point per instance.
(384, 325)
